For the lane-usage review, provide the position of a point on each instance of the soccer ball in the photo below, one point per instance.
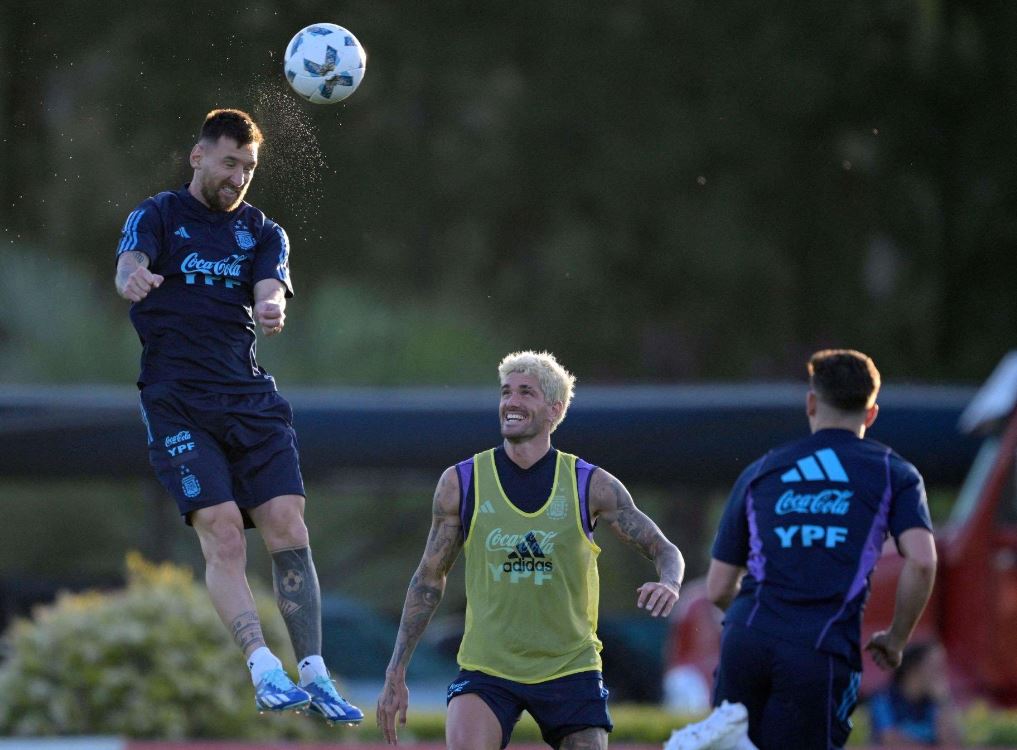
(324, 63)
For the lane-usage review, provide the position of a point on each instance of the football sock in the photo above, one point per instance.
(311, 667)
(261, 661)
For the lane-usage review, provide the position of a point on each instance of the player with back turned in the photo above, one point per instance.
(800, 535)
(203, 269)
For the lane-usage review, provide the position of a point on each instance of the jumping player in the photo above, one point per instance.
(203, 270)
(802, 531)
(525, 514)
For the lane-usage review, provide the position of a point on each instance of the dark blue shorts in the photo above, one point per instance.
(209, 448)
(796, 696)
(560, 706)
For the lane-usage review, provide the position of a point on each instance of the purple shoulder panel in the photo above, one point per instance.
(465, 471)
(584, 473)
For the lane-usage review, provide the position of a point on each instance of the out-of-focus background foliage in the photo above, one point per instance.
(658, 192)
(653, 190)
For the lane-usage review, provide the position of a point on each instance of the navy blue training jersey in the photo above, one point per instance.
(808, 521)
(198, 328)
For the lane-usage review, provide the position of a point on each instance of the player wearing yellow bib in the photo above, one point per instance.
(525, 514)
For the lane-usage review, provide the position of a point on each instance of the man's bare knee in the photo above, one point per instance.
(281, 522)
(591, 738)
(221, 534)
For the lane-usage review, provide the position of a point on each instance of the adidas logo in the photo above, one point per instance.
(528, 558)
(486, 507)
(181, 232)
(527, 549)
(821, 465)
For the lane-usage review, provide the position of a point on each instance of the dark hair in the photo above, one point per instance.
(231, 123)
(844, 379)
(914, 654)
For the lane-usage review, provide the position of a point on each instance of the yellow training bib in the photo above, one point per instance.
(532, 587)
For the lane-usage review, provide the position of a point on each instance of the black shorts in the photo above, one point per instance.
(210, 448)
(560, 706)
(796, 696)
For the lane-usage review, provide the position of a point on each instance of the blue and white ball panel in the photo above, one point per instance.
(324, 63)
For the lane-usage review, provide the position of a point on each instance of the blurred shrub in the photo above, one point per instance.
(987, 727)
(150, 660)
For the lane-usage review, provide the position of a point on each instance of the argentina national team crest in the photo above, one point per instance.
(558, 509)
(190, 485)
(245, 240)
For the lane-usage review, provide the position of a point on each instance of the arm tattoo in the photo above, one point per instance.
(427, 586)
(636, 529)
(632, 524)
(126, 269)
(246, 631)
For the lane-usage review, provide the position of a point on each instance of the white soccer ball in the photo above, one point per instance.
(324, 63)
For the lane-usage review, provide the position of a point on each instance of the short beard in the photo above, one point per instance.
(215, 204)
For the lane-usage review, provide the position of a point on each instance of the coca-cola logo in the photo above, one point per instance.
(230, 266)
(180, 437)
(500, 541)
(834, 502)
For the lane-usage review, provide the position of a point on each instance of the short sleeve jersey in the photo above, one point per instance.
(808, 521)
(198, 328)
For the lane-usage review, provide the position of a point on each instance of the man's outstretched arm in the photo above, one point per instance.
(611, 503)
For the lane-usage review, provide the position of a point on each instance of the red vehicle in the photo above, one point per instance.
(973, 609)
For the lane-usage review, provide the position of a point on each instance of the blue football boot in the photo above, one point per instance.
(277, 692)
(327, 703)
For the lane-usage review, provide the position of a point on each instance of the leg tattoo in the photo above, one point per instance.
(299, 598)
(246, 631)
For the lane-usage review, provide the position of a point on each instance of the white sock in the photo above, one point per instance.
(260, 661)
(311, 667)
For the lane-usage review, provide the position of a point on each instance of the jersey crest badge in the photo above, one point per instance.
(245, 240)
(558, 509)
(190, 485)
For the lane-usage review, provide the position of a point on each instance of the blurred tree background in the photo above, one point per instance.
(656, 191)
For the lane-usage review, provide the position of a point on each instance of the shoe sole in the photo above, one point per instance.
(298, 707)
(312, 711)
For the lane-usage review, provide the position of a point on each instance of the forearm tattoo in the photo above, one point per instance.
(428, 584)
(421, 602)
(299, 598)
(636, 528)
(124, 271)
(246, 632)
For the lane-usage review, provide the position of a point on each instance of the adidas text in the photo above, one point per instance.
(528, 565)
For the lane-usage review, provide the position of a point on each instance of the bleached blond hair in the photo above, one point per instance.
(557, 383)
